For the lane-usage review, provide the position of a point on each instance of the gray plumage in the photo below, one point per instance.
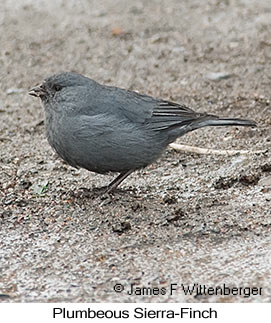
(108, 129)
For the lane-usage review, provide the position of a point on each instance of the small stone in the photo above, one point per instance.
(40, 188)
(266, 181)
(122, 227)
(170, 199)
(15, 91)
(218, 76)
(178, 50)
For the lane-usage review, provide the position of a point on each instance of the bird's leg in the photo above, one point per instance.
(118, 180)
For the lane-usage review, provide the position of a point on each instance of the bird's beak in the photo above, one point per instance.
(38, 91)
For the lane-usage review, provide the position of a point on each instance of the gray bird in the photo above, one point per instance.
(107, 129)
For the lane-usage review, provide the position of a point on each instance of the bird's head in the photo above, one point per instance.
(56, 84)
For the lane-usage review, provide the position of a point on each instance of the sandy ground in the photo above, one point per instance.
(186, 219)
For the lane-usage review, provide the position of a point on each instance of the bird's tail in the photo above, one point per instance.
(211, 120)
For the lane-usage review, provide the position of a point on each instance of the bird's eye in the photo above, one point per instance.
(57, 87)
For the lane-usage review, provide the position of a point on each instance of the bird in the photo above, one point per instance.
(107, 129)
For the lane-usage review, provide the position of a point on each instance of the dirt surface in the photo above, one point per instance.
(186, 219)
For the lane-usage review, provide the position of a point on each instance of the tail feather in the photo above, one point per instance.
(210, 120)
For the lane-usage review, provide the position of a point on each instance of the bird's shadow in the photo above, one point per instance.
(101, 194)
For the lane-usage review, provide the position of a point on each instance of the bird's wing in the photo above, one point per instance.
(167, 115)
(157, 114)
(118, 103)
(138, 108)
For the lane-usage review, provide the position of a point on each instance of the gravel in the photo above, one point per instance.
(186, 219)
